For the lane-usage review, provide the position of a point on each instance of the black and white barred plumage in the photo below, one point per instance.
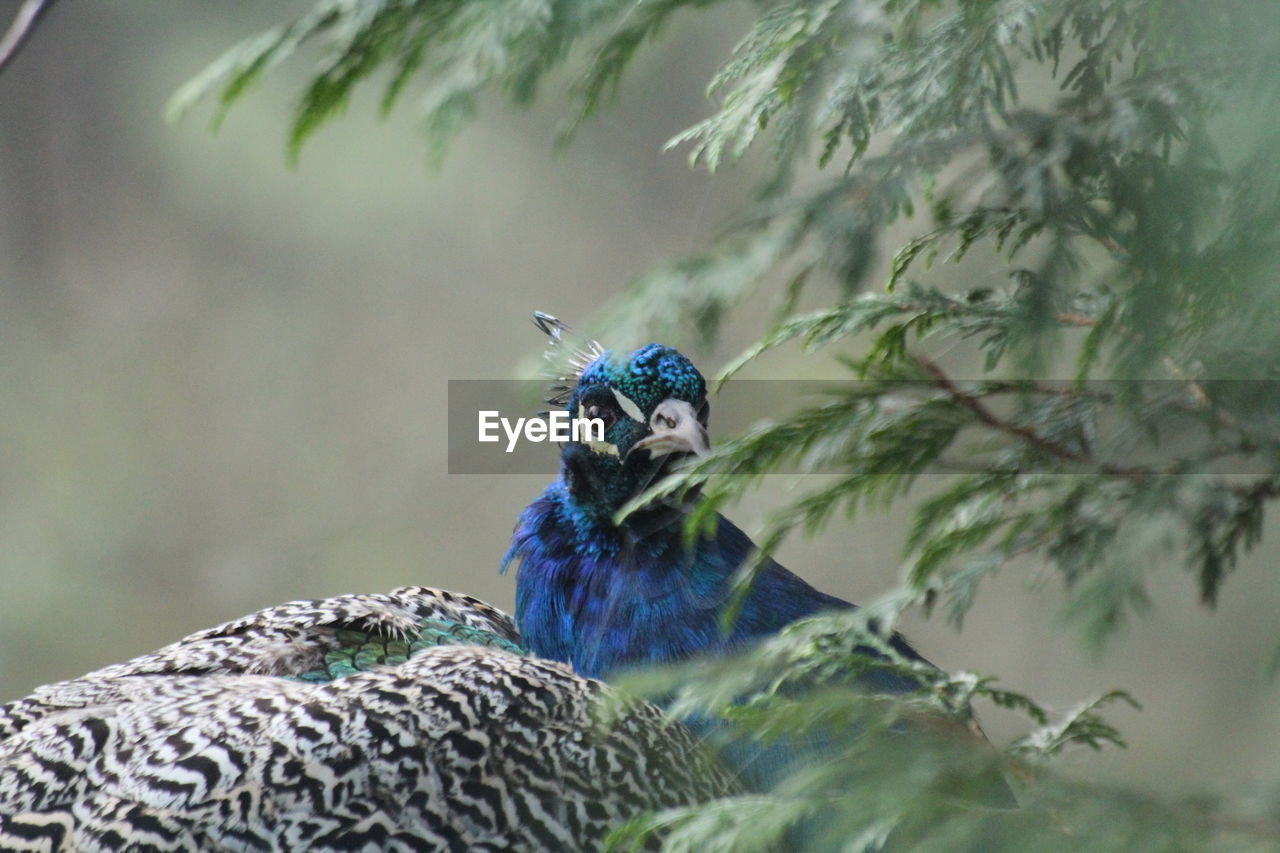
(209, 744)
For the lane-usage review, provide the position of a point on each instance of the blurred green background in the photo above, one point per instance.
(223, 379)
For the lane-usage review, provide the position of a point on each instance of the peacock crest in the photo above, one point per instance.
(568, 354)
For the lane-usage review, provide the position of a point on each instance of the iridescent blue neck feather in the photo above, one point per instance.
(604, 598)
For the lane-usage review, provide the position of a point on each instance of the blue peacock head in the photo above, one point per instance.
(653, 405)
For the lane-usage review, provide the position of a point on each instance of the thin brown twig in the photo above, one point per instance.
(1110, 245)
(1265, 489)
(991, 419)
(20, 29)
(1024, 433)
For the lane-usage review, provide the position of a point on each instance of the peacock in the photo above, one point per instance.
(606, 596)
(415, 720)
(423, 719)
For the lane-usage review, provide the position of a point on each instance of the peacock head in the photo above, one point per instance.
(653, 406)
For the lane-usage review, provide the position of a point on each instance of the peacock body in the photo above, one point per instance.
(606, 596)
(407, 721)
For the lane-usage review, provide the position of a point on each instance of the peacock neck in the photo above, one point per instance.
(603, 597)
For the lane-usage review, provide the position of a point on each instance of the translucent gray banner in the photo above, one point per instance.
(502, 427)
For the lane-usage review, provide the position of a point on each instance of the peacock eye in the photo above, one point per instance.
(603, 413)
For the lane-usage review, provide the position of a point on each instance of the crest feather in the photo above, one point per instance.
(568, 353)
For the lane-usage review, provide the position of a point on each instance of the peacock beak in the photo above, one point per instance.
(674, 428)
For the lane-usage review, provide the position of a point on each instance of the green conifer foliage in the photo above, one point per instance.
(1124, 416)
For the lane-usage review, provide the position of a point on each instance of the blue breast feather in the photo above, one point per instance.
(605, 600)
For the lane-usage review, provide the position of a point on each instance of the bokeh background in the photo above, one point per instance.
(223, 379)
